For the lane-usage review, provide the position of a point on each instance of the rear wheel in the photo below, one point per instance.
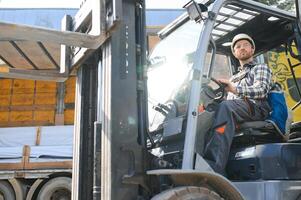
(56, 189)
(6, 191)
(187, 193)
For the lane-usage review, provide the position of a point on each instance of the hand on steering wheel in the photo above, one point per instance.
(218, 93)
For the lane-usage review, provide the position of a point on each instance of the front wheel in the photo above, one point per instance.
(187, 193)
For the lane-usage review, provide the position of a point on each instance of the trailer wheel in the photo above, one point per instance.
(6, 191)
(56, 189)
(187, 193)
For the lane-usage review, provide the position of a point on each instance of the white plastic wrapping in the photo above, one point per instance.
(55, 144)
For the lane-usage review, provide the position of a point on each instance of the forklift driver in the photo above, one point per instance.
(246, 101)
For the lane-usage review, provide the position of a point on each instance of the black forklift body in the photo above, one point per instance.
(275, 161)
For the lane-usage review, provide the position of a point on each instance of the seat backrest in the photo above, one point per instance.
(277, 123)
(279, 114)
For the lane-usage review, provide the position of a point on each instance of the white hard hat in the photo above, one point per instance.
(241, 36)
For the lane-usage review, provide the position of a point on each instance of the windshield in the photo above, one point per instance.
(169, 70)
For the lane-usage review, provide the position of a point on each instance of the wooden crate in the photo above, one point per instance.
(34, 103)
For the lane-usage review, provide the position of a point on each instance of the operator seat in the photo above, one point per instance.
(258, 132)
(276, 129)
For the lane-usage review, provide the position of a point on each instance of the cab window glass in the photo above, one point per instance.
(221, 68)
(169, 72)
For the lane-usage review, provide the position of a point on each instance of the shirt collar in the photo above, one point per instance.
(247, 66)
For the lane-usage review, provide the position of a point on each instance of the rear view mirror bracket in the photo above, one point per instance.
(195, 10)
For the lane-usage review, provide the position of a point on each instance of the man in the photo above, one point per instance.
(246, 101)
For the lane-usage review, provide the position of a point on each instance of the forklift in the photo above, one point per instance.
(141, 122)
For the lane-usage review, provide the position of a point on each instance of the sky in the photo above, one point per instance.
(174, 4)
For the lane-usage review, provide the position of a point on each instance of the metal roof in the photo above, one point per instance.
(229, 18)
(241, 16)
(258, 20)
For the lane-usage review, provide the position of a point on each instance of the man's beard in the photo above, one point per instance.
(246, 56)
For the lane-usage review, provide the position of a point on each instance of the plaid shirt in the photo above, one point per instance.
(252, 81)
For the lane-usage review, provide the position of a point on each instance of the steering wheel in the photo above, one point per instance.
(216, 94)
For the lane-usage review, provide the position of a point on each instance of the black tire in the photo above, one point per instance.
(6, 191)
(187, 193)
(56, 189)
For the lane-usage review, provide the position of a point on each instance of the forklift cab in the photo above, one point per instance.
(170, 66)
(183, 94)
